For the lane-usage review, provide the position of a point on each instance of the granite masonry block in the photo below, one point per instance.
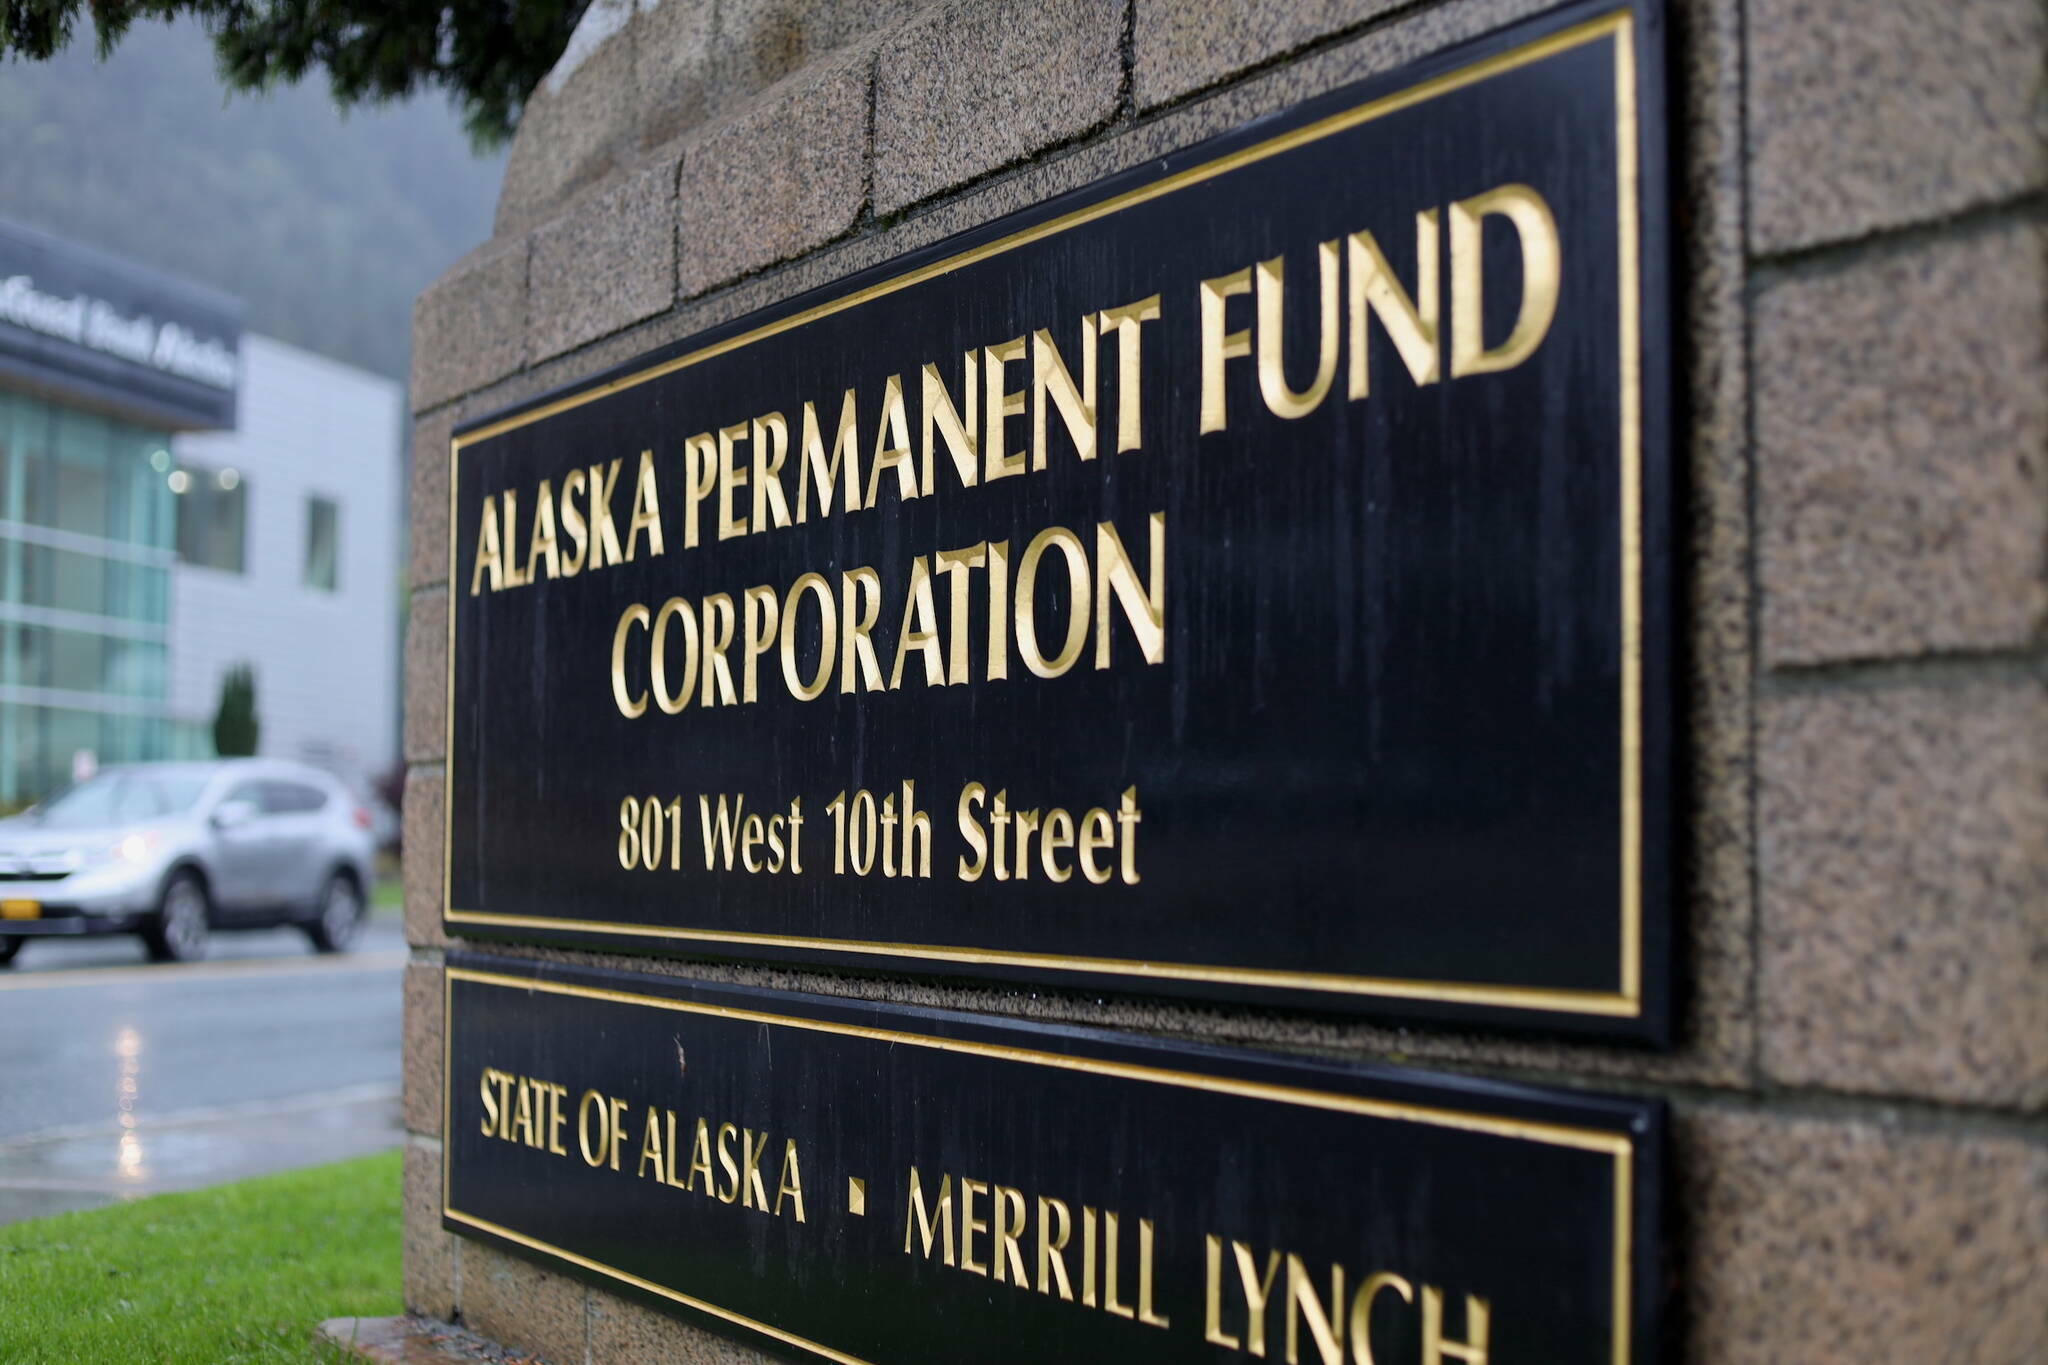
(517, 1304)
(429, 498)
(430, 1252)
(1902, 428)
(759, 42)
(607, 262)
(624, 1333)
(423, 858)
(1179, 46)
(581, 123)
(1904, 860)
(422, 1033)
(971, 87)
(1868, 116)
(1811, 1240)
(469, 326)
(676, 84)
(426, 677)
(778, 178)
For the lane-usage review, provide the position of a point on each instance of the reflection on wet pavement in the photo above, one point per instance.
(119, 1081)
(45, 1175)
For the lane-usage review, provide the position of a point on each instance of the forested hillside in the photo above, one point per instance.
(326, 224)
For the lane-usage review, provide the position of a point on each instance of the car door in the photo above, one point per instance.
(242, 866)
(297, 814)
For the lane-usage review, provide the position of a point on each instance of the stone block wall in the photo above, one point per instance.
(1860, 1091)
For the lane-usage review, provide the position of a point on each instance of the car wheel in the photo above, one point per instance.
(178, 933)
(10, 944)
(341, 916)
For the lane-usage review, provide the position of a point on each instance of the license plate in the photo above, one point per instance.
(21, 909)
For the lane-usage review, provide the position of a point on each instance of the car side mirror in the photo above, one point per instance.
(232, 814)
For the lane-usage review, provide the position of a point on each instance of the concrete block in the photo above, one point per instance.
(971, 87)
(624, 1333)
(422, 1064)
(429, 498)
(581, 123)
(605, 262)
(424, 863)
(1180, 46)
(1864, 117)
(1904, 857)
(429, 1251)
(1813, 1240)
(778, 178)
(469, 326)
(517, 1304)
(426, 677)
(1901, 422)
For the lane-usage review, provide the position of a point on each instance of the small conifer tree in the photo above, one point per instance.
(235, 728)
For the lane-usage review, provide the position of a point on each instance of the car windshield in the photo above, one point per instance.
(120, 799)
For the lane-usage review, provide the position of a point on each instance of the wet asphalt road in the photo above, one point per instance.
(119, 1078)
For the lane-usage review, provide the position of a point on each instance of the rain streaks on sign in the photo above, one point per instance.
(1247, 577)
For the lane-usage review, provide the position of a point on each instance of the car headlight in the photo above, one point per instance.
(135, 848)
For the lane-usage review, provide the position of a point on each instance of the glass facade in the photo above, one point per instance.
(87, 541)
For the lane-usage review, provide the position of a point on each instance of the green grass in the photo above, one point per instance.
(237, 1273)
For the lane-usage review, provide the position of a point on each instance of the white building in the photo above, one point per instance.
(288, 559)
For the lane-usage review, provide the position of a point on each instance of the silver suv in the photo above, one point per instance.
(174, 850)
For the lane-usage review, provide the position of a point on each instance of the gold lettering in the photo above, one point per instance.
(1051, 1246)
(843, 468)
(1219, 345)
(629, 706)
(718, 619)
(969, 1225)
(1009, 1203)
(962, 431)
(646, 511)
(488, 557)
(1144, 608)
(573, 523)
(1361, 1312)
(1050, 379)
(676, 608)
(1411, 323)
(1257, 1290)
(771, 452)
(1280, 399)
(730, 476)
(1000, 405)
(731, 1189)
(700, 476)
(1212, 1294)
(604, 532)
(828, 637)
(1472, 1350)
(1125, 322)
(761, 609)
(892, 446)
(1542, 273)
(1077, 601)
(542, 546)
(920, 628)
(1301, 1298)
(791, 1182)
(939, 1223)
(860, 650)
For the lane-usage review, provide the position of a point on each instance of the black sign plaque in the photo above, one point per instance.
(1247, 577)
(873, 1183)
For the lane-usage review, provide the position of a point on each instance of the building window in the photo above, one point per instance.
(323, 544)
(213, 516)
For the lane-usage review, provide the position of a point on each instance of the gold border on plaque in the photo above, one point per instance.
(1625, 1002)
(1617, 1146)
